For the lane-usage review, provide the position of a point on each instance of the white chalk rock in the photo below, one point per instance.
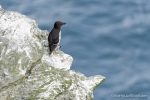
(28, 72)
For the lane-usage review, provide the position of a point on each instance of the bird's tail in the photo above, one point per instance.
(52, 47)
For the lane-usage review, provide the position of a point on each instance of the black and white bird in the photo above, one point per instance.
(55, 36)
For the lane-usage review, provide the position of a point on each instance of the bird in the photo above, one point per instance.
(55, 36)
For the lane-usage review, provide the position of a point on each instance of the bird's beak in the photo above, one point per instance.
(64, 23)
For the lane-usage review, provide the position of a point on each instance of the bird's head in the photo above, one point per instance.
(58, 24)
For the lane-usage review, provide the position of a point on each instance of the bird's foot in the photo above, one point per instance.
(60, 47)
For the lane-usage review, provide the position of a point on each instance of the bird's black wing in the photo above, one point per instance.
(55, 36)
(50, 38)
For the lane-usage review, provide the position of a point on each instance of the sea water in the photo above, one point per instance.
(107, 37)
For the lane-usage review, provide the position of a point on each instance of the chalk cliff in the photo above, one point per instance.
(28, 72)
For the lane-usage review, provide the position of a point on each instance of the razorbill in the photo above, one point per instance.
(55, 36)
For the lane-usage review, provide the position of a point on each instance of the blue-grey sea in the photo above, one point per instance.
(107, 37)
